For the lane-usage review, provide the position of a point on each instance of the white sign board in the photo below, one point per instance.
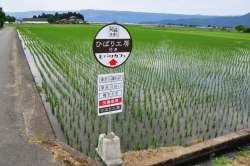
(112, 45)
(110, 93)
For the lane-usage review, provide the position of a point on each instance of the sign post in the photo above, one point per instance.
(112, 46)
(110, 95)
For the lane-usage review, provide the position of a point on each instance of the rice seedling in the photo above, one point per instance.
(177, 81)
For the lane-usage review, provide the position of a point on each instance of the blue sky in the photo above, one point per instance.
(203, 7)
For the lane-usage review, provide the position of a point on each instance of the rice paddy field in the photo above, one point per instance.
(181, 84)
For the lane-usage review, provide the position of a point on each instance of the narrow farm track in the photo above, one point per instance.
(14, 114)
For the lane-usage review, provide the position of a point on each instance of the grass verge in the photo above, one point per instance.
(147, 156)
(220, 161)
(60, 153)
(242, 159)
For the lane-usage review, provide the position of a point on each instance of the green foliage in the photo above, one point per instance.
(40, 137)
(223, 29)
(10, 19)
(51, 19)
(2, 14)
(1, 23)
(244, 153)
(240, 27)
(247, 30)
(39, 89)
(56, 17)
(220, 161)
(175, 79)
(2, 17)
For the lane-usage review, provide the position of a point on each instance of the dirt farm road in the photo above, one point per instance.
(20, 108)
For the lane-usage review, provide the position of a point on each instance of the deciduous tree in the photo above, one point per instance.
(51, 19)
(2, 17)
(240, 27)
(10, 19)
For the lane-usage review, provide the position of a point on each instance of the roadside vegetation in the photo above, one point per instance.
(61, 153)
(2, 16)
(242, 159)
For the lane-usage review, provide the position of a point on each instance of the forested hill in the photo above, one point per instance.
(231, 21)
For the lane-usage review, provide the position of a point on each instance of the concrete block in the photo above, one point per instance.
(109, 150)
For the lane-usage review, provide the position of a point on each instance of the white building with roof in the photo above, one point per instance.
(35, 21)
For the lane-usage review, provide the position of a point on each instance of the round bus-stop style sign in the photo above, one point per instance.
(112, 45)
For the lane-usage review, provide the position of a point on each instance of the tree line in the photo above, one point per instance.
(239, 27)
(52, 18)
(242, 28)
(4, 18)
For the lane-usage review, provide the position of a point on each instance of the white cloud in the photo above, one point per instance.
(204, 7)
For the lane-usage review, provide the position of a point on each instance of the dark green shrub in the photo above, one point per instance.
(1, 23)
(247, 30)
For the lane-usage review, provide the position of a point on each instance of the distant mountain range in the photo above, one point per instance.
(111, 16)
(230, 21)
(146, 18)
(132, 17)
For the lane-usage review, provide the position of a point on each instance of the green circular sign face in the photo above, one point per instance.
(112, 45)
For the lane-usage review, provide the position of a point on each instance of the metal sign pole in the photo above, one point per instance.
(109, 126)
(110, 115)
(112, 46)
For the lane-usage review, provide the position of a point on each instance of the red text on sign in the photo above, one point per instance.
(110, 101)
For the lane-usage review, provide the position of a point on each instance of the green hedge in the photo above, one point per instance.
(1, 23)
(247, 30)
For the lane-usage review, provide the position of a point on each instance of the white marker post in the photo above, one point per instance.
(112, 47)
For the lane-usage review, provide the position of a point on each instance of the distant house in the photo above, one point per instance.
(63, 21)
(71, 20)
(79, 21)
(73, 17)
(35, 21)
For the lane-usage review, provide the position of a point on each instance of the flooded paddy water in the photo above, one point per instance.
(172, 95)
